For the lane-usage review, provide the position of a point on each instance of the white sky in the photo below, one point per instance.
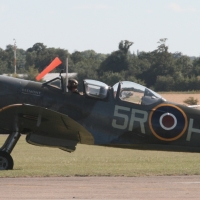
(101, 24)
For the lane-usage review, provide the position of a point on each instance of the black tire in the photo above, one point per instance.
(6, 161)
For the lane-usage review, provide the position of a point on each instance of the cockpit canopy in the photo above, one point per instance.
(136, 93)
(128, 91)
(95, 89)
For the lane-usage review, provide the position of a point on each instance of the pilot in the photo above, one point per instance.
(72, 86)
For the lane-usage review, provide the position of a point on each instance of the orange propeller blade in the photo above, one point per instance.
(49, 68)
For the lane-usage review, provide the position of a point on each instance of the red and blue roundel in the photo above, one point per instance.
(168, 122)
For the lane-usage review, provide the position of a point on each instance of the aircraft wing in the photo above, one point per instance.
(44, 127)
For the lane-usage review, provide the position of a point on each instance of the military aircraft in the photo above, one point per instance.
(126, 115)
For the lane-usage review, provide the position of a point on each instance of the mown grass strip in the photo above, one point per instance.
(32, 161)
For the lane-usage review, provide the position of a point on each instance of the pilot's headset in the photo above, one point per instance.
(72, 83)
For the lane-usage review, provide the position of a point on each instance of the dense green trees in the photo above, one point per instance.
(118, 60)
(158, 69)
(40, 56)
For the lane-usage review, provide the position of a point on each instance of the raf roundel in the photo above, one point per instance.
(167, 122)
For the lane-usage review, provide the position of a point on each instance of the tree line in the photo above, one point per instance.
(159, 69)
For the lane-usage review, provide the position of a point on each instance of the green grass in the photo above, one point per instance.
(32, 161)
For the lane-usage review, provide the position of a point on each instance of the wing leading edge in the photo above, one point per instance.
(44, 127)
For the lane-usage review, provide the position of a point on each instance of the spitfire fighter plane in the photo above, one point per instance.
(126, 115)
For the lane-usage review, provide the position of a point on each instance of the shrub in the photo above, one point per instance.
(191, 101)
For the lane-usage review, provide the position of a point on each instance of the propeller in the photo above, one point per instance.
(55, 63)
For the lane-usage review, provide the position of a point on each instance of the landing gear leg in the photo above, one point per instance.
(6, 161)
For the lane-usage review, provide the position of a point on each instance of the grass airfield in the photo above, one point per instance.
(33, 161)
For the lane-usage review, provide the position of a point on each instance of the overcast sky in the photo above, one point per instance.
(101, 24)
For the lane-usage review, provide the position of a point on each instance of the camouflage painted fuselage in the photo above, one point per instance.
(110, 121)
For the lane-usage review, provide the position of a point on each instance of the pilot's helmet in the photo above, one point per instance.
(72, 83)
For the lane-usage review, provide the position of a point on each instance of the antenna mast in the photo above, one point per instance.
(66, 89)
(15, 47)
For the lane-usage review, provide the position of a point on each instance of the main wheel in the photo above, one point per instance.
(6, 161)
